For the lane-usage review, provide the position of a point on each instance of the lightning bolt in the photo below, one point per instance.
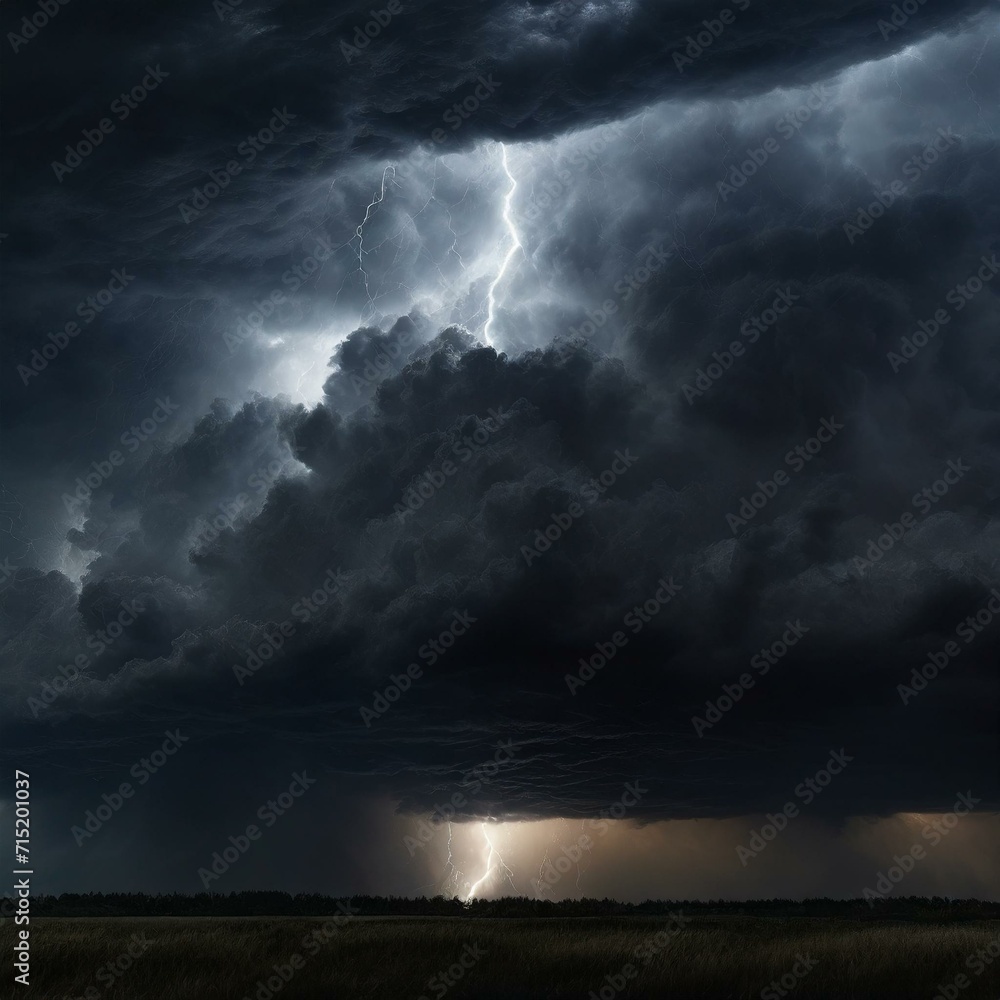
(541, 873)
(377, 198)
(502, 868)
(456, 879)
(298, 385)
(579, 873)
(514, 247)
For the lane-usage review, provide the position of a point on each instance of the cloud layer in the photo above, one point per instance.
(742, 390)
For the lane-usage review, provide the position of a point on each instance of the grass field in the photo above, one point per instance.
(389, 958)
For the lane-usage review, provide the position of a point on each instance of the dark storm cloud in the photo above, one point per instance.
(227, 71)
(233, 515)
(556, 425)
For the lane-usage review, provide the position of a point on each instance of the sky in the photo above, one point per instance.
(505, 447)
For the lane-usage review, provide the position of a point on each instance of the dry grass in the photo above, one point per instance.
(553, 959)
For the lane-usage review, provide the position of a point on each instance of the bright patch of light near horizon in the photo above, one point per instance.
(486, 858)
(495, 864)
(515, 246)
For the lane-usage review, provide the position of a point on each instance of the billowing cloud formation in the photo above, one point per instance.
(724, 481)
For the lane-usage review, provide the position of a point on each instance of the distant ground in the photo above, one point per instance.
(556, 958)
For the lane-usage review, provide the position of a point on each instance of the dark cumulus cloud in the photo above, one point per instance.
(703, 503)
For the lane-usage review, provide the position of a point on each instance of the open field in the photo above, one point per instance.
(549, 959)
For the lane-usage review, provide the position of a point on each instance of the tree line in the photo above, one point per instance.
(277, 904)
